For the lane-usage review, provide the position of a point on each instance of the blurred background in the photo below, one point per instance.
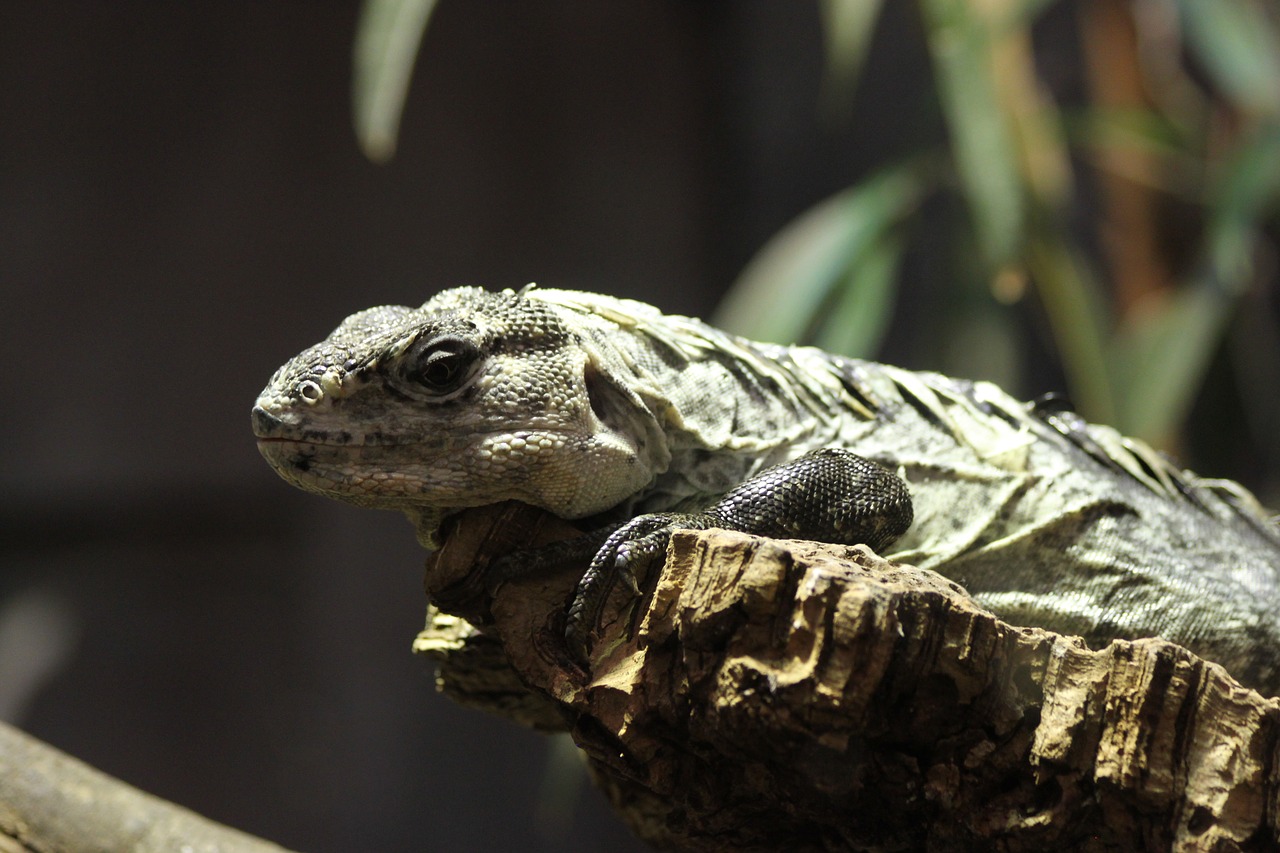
(1061, 196)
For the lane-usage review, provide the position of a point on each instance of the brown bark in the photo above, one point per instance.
(791, 695)
(52, 803)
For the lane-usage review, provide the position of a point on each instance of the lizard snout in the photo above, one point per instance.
(265, 424)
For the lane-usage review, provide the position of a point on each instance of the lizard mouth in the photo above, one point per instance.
(275, 432)
(367, 475)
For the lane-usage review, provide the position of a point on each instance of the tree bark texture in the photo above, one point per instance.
(53, 803)
(785, 695)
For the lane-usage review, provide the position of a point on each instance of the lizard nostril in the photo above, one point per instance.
(265, 424)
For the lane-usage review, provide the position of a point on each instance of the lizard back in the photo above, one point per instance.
(591, 406)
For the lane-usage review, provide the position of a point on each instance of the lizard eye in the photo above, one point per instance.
(443, 365)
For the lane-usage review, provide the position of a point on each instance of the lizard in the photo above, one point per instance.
(606, 410)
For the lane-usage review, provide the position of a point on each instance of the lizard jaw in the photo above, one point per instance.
(361, 474)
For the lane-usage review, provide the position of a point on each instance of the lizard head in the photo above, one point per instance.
(473, 398)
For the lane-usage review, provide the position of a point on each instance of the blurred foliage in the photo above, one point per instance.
(387, 40)
(1181, 125)
(1183, 115)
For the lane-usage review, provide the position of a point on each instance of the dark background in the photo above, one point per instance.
(183, 207)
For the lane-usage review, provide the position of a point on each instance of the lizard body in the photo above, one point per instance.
(594, 407)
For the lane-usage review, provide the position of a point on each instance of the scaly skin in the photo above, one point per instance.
(601, 408)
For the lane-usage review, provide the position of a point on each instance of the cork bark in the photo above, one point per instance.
(53, 803)
(788, 695)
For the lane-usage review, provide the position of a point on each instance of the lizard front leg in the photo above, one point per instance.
(829, 495)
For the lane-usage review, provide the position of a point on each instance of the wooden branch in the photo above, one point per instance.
(800, 696)
(53, 803)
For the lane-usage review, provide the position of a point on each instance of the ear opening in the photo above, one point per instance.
(608, 402)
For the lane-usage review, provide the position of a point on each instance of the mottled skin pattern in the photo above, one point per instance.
(601, 408)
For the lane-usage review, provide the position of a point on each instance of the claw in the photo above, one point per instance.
(630, 549)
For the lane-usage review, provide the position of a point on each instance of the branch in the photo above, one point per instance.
(781, 694)
(49, 801)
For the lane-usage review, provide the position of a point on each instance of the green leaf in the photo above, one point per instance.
(961, 42)
(1024, 12)
(1159, 360)
(1077, 312)
(846, 28)
(859, 315)
(1160, 357)
(1240, 49)
(1102, 131)
(1249, 186)
(387, 38)
(1121, 127)
(781, 291)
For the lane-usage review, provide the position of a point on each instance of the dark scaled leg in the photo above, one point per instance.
(829, 495)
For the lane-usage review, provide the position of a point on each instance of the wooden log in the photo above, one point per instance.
(790, 695)
(54, 803)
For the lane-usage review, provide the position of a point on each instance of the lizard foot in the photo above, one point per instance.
(630, 548)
